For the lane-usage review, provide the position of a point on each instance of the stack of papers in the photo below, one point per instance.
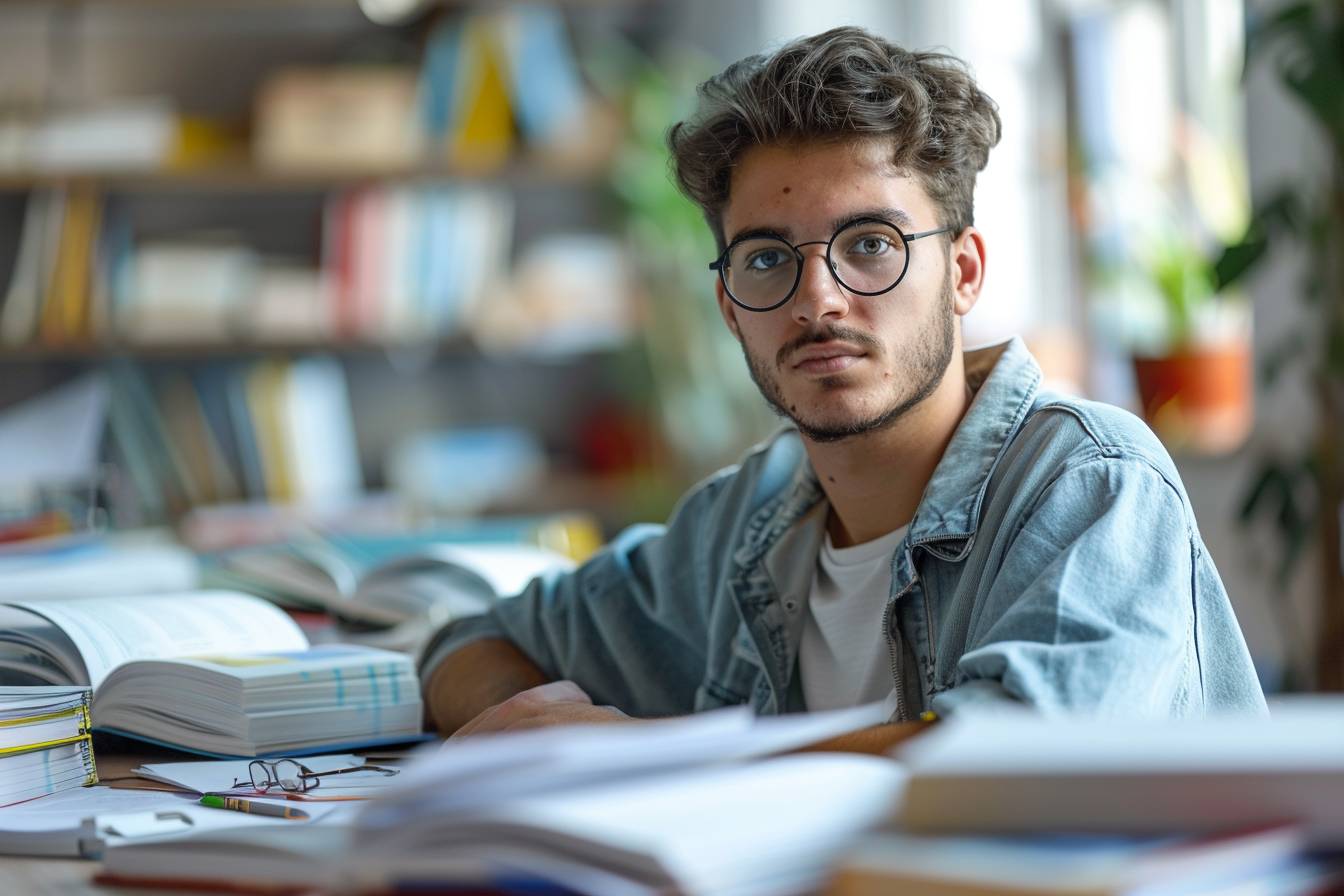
(655, 807)
(44, 741)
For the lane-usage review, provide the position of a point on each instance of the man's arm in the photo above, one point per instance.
(474, 678)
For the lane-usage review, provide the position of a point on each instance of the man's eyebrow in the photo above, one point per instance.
(783, 233)
(894, 215)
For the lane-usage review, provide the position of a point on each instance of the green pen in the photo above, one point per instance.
(215, 801)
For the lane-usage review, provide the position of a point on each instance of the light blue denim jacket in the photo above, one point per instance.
(1053, 561)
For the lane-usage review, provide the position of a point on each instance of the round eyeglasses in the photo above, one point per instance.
(867, 257)
(295, 777)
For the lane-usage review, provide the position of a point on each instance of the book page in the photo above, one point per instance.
(110, 631)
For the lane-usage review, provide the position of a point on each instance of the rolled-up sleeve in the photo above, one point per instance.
(628, 626)
(1092, 609)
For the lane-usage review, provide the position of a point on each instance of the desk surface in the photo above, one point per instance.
(50, 877)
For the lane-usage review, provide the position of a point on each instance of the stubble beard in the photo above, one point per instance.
(929, 360)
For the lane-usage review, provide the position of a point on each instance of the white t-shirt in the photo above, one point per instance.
(843, 658)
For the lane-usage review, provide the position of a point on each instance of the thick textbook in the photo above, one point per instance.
(213, 672)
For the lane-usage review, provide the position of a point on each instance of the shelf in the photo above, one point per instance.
(166, 351)
(243, 176)
(458, 347)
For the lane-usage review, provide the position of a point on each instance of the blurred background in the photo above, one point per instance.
(277, 265)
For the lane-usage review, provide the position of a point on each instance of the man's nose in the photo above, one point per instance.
(819, 294)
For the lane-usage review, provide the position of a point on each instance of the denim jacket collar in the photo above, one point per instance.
(1005, 379)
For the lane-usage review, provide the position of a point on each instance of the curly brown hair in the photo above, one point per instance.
(843, 84)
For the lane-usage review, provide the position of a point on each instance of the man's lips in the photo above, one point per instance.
(826, 357)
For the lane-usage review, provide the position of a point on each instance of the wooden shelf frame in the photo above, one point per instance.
(243, 176)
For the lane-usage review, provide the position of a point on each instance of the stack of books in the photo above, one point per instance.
(44, 742)
(1020, 805)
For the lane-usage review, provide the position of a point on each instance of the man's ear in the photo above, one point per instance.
(726, 308)
(968, 269)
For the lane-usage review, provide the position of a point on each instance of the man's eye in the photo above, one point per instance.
(871, 245)
(764, 261)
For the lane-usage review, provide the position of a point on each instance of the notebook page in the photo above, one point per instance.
(114, 630)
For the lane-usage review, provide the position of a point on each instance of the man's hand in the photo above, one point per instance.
(556, 703)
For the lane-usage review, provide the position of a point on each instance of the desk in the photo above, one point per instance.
(51, 877)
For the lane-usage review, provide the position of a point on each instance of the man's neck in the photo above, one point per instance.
(875, 481)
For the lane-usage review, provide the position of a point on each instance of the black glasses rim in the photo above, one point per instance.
(720, 264)
(273, 776)
(308, 778)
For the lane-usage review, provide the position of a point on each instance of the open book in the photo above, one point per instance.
(385, 581)
(213, 672)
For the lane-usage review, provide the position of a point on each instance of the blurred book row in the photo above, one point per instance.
(399, 264)
(245, 451)
(278, 430)
(489, 83)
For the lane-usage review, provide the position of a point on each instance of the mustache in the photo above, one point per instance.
(828, 333)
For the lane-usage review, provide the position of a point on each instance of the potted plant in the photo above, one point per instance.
(1196, 394)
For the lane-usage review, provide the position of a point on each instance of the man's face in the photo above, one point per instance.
(835, 363)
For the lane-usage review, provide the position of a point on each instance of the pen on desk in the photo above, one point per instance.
(215, 801)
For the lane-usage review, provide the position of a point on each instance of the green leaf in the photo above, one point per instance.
(1281, 214)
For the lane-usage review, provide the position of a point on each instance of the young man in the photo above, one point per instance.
(933, 530)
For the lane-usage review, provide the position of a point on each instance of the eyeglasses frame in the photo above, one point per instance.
(720, 264)
(305, 773)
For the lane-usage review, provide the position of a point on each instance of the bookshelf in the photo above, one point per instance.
(141, 257)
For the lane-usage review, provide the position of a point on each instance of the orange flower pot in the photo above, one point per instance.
(1199, 400)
